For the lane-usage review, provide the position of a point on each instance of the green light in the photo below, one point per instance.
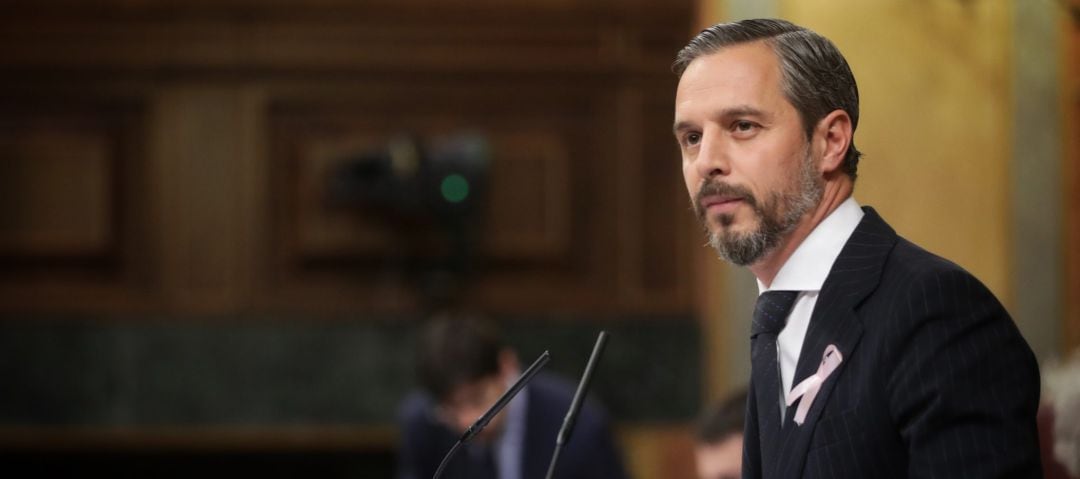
(455, 188)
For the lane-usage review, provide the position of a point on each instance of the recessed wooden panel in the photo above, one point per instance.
(56, 192)
(525, 216)
(548, 205)
(528, 211)
(70, 228)
(324, 231)
(66, 172)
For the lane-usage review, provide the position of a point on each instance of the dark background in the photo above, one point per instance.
(180, 295)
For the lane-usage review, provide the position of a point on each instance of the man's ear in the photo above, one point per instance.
(833, 137)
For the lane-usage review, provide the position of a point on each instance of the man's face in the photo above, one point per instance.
(722, 460)
(746, 159)
(469, 401)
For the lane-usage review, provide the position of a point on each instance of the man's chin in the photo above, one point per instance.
(727, 225)
(724, 220)
(741, 249)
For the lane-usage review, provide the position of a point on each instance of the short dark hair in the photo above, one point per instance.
(456, 350)
(724, 419)
(816, 78)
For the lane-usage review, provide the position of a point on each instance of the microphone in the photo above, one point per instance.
(575, 405)
(481, 423)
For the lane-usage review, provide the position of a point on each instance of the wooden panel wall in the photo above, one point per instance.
(172, 156)
(1071, 94)
(69, 225)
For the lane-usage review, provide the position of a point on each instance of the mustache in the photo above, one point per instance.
(719, 188)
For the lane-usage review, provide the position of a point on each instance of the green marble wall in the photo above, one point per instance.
(283, 371)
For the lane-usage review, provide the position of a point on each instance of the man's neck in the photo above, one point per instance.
(769, 265)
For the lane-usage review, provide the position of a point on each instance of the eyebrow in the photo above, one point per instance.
(742, 110)
(680, 126)
(735, 111)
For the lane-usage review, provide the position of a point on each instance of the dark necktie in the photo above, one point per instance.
(770, 315)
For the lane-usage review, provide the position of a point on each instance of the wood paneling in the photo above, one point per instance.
(582, 212)
(301, 37)
(68, 215)
(56, 190)
(207, 191)
(529, 208)
(1071, 93)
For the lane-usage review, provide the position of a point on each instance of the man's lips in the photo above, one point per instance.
(720, 203)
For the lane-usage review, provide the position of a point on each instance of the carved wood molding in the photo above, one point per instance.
(175, 38)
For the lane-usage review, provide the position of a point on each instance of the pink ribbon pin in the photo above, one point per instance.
(809, 388)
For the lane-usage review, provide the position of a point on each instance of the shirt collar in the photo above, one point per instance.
(811, 262)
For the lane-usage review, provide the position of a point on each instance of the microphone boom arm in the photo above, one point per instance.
(575, 405)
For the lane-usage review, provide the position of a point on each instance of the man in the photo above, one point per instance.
(718, 452)
(465, 367)
(870, 357)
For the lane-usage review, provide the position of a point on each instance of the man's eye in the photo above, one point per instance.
(744, 126)
(693, 138)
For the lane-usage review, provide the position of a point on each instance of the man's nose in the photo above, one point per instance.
(712, 158)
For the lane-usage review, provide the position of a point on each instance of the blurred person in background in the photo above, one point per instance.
(719, 444)
(464, 367)
(1060, 419)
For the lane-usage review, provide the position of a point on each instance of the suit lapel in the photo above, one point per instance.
(854, 275)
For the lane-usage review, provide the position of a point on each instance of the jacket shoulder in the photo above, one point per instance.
(915, 273)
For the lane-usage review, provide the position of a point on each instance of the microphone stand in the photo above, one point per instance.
(575, 405)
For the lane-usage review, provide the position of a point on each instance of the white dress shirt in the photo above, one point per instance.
(805, 271)
(510, 445)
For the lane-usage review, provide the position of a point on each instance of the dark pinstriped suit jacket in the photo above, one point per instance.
(936, 381)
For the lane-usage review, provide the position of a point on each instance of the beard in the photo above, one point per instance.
(777, 215)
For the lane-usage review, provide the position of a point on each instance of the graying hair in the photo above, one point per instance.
(815, 77)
